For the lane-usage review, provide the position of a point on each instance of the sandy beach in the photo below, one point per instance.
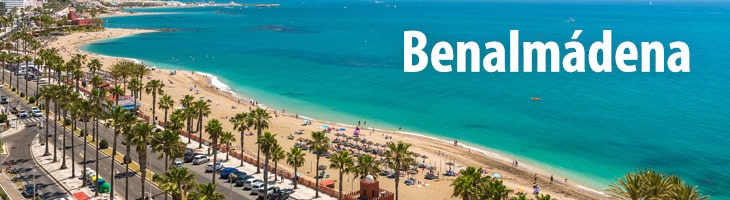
(224, 105)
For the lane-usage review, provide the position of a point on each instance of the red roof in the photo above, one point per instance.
(328, 183)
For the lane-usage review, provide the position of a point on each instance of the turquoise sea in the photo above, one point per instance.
(342, 61)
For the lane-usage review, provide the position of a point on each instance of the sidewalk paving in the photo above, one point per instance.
(10, 188)
(64, 176)
(302, 192)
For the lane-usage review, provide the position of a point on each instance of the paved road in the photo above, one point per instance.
(104, 161)
(155, 165)
(18, 146)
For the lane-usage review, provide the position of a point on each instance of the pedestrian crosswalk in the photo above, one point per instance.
(29, 120)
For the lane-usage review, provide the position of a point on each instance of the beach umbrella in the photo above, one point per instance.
(450, 163)
(424, 157)
(416, 155)
(413, 171)
(343, 129)
(431, 168)
(356, 131)
(370, 143)
(325, 126)
(357, 139)
(495, 175)
(322, 167)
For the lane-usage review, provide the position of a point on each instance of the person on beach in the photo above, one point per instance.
(551, 179)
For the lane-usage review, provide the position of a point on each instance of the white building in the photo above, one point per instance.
(10, 4)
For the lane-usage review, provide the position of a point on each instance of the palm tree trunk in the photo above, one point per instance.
(200, 131)
(114, 153)
(266, 177)
(341, 185)
(154, 98)
(316, 179)
(126, 170)
(73, 158)
(189, 126)
(63, 146)
(165, 121)
(215, 160)
(294, 178)
(48, 108)
(96, 159)
(55, 134)
(258, 150)
(143, 162)
(243, 134)
(276, 169)
(86, 132)
(397, 178)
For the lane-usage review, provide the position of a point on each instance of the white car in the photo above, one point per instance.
(36, 113)
(256, 187)
(23, 114)
(249, 183)
(211, 168)
(200, 159)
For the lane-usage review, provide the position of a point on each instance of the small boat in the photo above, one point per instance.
(571, 19)
(535, 98)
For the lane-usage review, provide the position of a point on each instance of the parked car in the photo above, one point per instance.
(256, 187)
(177, 163)
(200, 159)
(248, 184)
(29, 190)
(212, 167)
(240, 180)
(224, 172)
(14, 110)
(23, 114)
(269, 191)
(3, 100)
(36, 113)
(190, 156)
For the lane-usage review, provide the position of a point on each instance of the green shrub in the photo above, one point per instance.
(3, 118)
(82, 133)
(31, 100)
(103, 144)
(67, 122)
(22, 94)
(127, 159)
(13, 89)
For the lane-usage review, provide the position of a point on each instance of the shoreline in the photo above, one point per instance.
(487, 153)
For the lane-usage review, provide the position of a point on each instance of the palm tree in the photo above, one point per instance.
(76, 74)
(295, 158)
(494, 189)
(128, 132)
(168, 145)
(202, 109)
(651, 184)
(214, 130)
(64, 99)
(119, 120)
(465, 185)
(366, 165)
(47, 96)
(226, 138)
(543, 197)
(166, 103)
(141, 135)
(154, 87)
(267, 141)
(277, 153)
(85, 107)
(117, 91)
(187, 102)
(207, 192)
(259, 119)
(177, 181)
(320, 145)
(343, 163)
(399, 156)
(135, 86)
(240, 124)
(75, 111)
(94, 66)
(99, 105)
